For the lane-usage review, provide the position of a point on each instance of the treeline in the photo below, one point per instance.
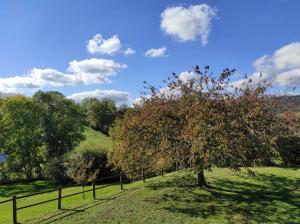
(204, 122)
(39, 134)
(101, 114)
(201, 122)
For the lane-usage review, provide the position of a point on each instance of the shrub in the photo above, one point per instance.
(289, 150)
(54, 171)
(83, 157)
(84, 166)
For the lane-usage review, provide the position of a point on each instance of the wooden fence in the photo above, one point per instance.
(60, 196)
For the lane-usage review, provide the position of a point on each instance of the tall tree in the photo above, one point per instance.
(204, 120)
(62, 122)
(21, 132)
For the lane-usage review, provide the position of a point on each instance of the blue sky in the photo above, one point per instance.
(51, 34)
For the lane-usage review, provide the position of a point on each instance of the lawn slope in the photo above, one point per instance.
(272, 196)
(95, 139)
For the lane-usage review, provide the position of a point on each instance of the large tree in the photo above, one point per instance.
(62, 122)
(21, 135)
(204, 120)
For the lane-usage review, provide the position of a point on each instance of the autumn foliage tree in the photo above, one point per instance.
(82, 167)
(202, 121)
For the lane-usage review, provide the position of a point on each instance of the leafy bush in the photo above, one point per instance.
(88, 161)
(54, 171)
(289, 150)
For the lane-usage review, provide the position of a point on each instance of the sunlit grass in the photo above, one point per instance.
(96, 140)
(272, 196)
(32, 212)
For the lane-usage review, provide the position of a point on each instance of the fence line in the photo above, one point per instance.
(59, 198)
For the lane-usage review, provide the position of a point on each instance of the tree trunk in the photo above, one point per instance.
(201, 178)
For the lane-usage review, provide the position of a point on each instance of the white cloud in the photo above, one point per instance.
(120, 97)
(104, 46)
(280, 68)
(3, 95)
(85, 72)
(186, 24)
(95, 70)
(188, 76)
(289, 78)
(129, 51)
(156, 52)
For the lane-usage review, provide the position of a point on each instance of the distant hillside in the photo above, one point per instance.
(292, 102)
(97, 140)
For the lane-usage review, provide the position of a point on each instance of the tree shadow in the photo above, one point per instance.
(265, 198)
(67, 212)
(20, 189)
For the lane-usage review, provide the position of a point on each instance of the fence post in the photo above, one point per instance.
(14, 198)
(121, 180)
(143, 175)
(94, 190)
(162, 172)
(59, 198)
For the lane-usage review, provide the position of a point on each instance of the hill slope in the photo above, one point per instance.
(97, 140)
(273, 196)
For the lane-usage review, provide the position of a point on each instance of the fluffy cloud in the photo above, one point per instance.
(156, 52)
(186, 24)
(85, 72)
(120, 97)
(129, 51)
(94, 70)
(281, 68)
(104, 46)
(188, 76)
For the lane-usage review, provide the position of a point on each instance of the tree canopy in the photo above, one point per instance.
(100, 113)
(62, 122)
(201, 122)
(20, 135)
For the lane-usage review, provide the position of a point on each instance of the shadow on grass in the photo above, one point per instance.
(20, 189)
(66, 212)
(265, 198)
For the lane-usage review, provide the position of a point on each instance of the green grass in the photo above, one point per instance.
(272, 196)
(36, 211)
(95, 139)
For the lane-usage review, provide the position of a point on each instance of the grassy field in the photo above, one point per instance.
(95, 139)
(272, 196)
(36, 211)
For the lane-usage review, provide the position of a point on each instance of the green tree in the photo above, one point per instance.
(62, 122)
(100, 114)
(21, 135)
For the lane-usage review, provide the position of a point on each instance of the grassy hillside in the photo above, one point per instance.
(34, 212)
(292, 102)
(96, 140)
(273, 196)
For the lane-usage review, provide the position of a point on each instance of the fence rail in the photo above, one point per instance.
(122, 181)
(8, 200)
